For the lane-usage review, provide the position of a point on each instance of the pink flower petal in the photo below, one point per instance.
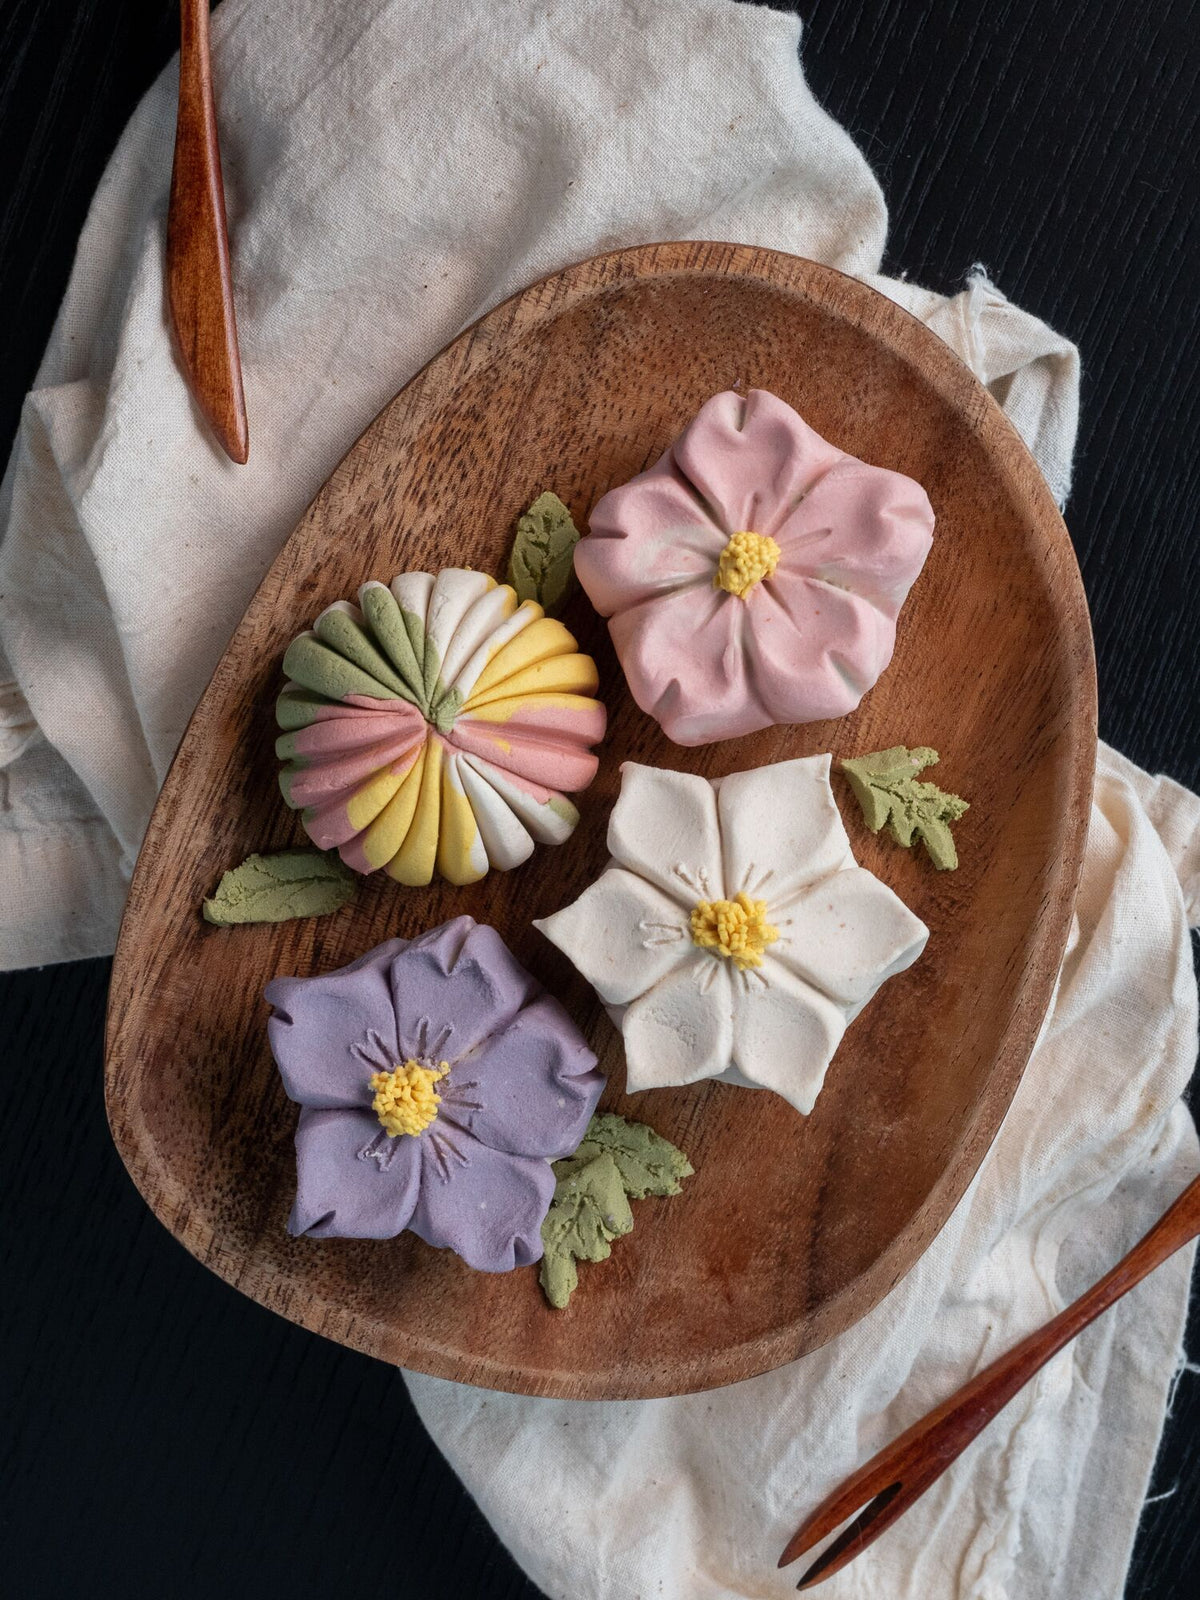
(751, 459)
(863, 528)
(686, 661)
(842, 640)
(649, 537)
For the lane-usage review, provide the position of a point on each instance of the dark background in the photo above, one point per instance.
(171, 1438)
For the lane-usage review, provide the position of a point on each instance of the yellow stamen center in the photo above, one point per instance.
(405, 1100)
(736, 929)
(745, 561)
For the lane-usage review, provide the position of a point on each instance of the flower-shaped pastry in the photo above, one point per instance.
(754, 574)
(437, 724)
(732, 935)
(437, 1082)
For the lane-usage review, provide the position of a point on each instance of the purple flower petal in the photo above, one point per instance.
(530, 1090)
(478, 1178)
(485, 1206)
(352, 1181)
(320, 1025)
(455, 986)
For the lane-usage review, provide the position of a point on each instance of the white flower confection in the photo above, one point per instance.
(733, 935)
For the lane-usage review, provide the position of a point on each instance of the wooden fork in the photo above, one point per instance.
(199, 282)
(883, 1489)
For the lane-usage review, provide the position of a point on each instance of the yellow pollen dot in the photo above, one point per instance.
(736, 929)
(745, 561)
(405, 1100)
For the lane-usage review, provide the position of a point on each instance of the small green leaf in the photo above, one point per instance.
(648, 1163)
(616, 1159)
(542, 564)
(886, 786)
(276, 888)
(588, 1210)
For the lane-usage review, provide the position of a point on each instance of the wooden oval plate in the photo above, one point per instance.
(792, 1228)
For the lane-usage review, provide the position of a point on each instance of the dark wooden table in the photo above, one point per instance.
(168, 1437)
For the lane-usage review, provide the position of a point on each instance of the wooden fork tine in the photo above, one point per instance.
(883, 1488)
(875, 1517)
(857, 1493)
(900, 1473)
(875, 1487)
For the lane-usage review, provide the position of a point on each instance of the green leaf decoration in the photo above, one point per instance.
(542, 564)
(617, 1160)
(886, 786)
(648, 1163)
(276, 888)
(588, 1210)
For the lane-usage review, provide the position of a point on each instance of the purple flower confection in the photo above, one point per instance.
(437, 1081)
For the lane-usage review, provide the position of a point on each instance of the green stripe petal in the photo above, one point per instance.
(392, 629)
(315, 666)
(349, 638)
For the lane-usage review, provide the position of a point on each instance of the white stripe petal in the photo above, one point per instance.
(477, 627)
(548, 823)
(506, 840)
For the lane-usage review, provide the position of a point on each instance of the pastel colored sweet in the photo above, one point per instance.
(449, 1040)
(437, 725)
(733, 935)
(755, 573)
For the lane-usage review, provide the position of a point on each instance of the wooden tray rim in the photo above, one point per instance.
(550, 296)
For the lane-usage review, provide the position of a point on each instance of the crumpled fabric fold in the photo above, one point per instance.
(393, 170)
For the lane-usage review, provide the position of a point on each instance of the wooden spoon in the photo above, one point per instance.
(902, 1471)
(199, 284)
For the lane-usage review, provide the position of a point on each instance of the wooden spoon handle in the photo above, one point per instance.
(904, 1469)
(199, 282)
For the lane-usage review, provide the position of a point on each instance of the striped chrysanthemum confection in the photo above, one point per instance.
(439, 724)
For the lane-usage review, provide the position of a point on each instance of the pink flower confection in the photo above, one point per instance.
(754, 574)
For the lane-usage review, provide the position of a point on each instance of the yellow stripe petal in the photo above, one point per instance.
(387, 833)
(365, 804)
(461, 857)
(573, 674)
(539, 641)
(413, 863)
(522, 705)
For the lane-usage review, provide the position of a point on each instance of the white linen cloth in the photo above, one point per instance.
(394, 169)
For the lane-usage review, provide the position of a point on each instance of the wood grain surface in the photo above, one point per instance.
(575, 385)
(208, 1446)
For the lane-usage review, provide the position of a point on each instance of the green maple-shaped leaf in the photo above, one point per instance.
(542, 564)
(291, 883)
(648, 1163)
(616, 1160)
(589, 1209)
(887, 788)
